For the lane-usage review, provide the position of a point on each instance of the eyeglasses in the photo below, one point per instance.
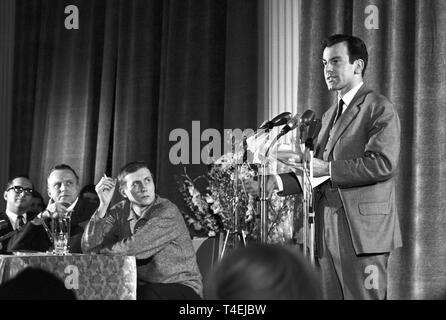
(19, 190)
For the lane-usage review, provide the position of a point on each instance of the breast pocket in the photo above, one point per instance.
(374, 208)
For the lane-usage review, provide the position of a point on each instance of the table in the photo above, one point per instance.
(90, 276)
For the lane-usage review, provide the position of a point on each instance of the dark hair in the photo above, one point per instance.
(62, 166)
(35, 284)
(264, 272)
(10, 181)
(130, 168)
(36, 194)
(355, 46)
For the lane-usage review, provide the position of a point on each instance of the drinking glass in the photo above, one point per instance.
(60, 229)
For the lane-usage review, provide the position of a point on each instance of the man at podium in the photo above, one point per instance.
(358, 147)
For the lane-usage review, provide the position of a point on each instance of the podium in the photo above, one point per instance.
(300, 163)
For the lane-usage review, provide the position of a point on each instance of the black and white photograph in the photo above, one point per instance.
(223, 154)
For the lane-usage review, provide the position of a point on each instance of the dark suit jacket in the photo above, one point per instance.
(82, 213)
(34, 238)
(35, 241)
(363, 147)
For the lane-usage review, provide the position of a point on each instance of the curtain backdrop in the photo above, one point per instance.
(113, 90)
(7, 16)
(407, 64)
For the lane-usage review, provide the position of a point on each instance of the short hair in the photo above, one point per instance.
(62, 166)
(356, 47)
(130, 168)
(264, 272)
(10, 181)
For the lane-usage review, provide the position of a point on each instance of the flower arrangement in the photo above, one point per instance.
(213, 210)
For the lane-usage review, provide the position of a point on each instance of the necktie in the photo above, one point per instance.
(20, 221)
(339, 113)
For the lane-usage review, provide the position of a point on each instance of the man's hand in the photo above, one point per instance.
(289, 157)
(105, 189)
(320, 168)
(55, 209)
(252, 186)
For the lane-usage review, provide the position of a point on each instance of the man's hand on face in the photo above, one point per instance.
(55, 209)
(105, 189)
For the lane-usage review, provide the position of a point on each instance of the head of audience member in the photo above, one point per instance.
(35, 284)
(37, 203)
(63, 184)
(136, 184)
(345, 60)
(18, 194)
(264, 272)
(88, 193)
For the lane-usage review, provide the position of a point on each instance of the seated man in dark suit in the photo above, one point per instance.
(63, 190)
(15, 220)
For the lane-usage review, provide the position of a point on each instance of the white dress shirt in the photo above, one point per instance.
(13, 218)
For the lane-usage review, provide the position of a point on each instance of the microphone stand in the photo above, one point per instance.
(263, 195)
(308, 231)
(238, 236)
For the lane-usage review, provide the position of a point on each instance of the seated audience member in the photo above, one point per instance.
(63, 190)
(148, 227)
(15, 221)
(264, 272)
(37, 203)
(88, 192)
(35, 284)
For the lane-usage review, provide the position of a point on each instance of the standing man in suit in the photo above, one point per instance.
(358, 147)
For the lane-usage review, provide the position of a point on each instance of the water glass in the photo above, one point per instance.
(60, 229)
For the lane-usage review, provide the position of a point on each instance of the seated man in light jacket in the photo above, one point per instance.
(148, 227)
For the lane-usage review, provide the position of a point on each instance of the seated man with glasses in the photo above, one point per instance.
(18, 196)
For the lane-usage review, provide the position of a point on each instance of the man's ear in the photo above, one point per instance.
(359, 66)
(121, 191)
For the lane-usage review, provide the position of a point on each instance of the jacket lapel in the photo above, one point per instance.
(327, 120)
(347, 117)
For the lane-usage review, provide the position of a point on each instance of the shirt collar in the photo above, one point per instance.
(71, 207)
(348, 97)
(13, 217)
(134, 216)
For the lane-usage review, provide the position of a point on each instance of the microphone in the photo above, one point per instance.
(291, 125)
(276, 121)
(307, 118)
(313, 131)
